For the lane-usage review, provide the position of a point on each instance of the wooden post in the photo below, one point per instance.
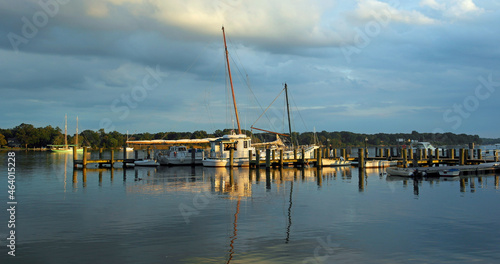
(74, 157)
(462, 157)
(416, 158)
(495, 154)
(273, 155)
(231, 157)
(257, 159)
(250, 158)
(388, 153)
(268, 158)
(124, 156)
(479, 154)
(452, 153)
(281, 158)
(381, 152)
(136, 154)
(344, 152)
(84, 158)
(471, 151)
(404, 153)
(303, 157)
(320, 157)
(100, 153)
(295, 153)
(430, 157)
(193, 156)
(361, 158)
(112, 159)
(436, 154)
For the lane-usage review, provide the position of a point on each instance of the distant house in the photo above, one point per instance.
(13, 143)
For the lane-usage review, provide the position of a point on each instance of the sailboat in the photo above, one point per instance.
(240, 144)
(127, 148)
(66, 148)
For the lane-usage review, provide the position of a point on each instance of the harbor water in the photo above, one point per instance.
(212, 215)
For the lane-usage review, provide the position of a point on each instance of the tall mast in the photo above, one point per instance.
(76, 136)
(66, 130)
(288, 111)
(231, 81)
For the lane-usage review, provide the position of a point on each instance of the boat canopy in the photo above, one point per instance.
(171, 142)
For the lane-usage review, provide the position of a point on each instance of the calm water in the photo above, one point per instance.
(203, 215)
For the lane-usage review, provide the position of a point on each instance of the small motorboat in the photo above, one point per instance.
(449, 173)
(146, 162)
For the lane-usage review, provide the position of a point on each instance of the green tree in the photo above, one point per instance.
(3, 142)
(199, 134)
(25, 133)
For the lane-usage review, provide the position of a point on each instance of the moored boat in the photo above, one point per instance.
(146, 162)
(449, 172)
(180, 155)
(220, 151)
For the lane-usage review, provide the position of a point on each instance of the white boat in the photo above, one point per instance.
(449, 172)
(488, 167)
(146, 162)
(67, 148)
(423, 145)
(127, 148)
(403, 172)
(180, 155)
(220, 151)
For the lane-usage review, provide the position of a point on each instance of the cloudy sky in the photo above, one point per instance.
(364, 66)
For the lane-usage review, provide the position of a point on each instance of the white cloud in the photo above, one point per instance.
(368, 10)
(295, 20)
(453, 8)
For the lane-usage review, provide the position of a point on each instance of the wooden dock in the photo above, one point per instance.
(100, 162)
(275, 158)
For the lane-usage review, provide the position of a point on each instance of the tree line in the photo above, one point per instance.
(38, 137)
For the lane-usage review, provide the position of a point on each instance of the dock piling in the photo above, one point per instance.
(74, 158)
(124, 165)
(231, 157)
(268, 158)
(361, 157)
(281, 158)
(84, 159)
(193, 156)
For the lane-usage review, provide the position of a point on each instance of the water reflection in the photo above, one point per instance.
(207, 215)
(466, 183)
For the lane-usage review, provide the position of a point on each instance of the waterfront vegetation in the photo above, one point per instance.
(28, 136)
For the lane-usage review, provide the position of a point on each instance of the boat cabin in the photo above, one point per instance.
(221, 147)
